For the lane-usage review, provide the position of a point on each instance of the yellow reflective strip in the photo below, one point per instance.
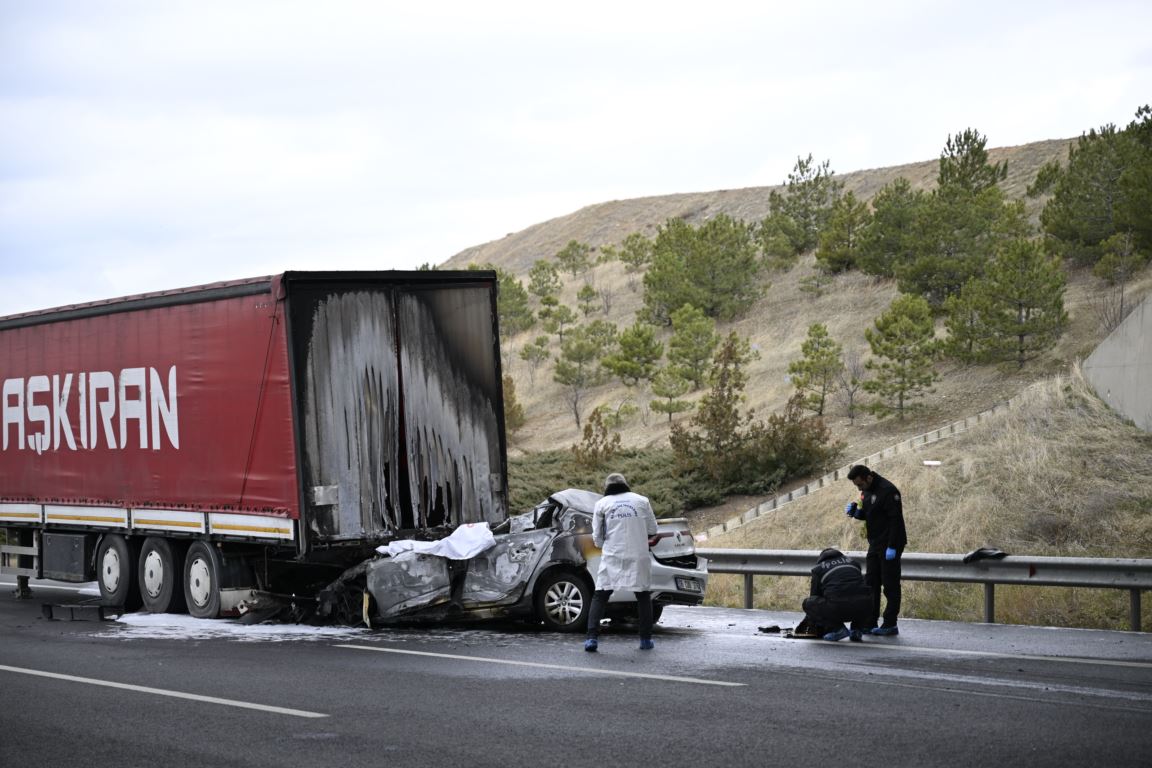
(181, 523)
(87, 518)
(29, 515)
(251, 528)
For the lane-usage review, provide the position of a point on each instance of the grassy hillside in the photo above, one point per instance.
(1056, 474)
(779, 321)
(1059, 475)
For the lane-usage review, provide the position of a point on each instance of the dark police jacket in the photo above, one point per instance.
(838, 577)
(883, 514)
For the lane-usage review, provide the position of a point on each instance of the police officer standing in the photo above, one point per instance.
(883, 515)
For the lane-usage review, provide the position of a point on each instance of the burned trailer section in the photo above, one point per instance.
(453, 408)
(401, 410)
(349, 392)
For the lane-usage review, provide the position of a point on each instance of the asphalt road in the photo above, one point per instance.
(716, 691)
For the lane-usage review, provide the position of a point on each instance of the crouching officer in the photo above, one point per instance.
(838, 594)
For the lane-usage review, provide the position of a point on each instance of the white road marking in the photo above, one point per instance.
(998, 655)
(161, 692)
(560, 667)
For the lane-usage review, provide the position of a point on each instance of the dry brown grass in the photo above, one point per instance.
(1040, 492)
(1058, 473)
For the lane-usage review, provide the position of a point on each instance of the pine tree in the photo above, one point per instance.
(714, 268)
(840, 239)
(535, 353)
(557, 317)
(964, 164)
(815, 374)
(959, 227)
(1025, 302)
(578, 368)
(904, 347)
(637, 355)
(575, 258)
(809, 192)
(513, 411)
(1084, 209)
(587, 298)
(889, 237)
(635, 254)
(965, 321)
(669, 384)
(693, 340)
(543, 279)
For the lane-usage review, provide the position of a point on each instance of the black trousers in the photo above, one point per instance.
(830, 613)
(883, 576)
(600, 606)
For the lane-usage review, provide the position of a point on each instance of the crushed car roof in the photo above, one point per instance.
(576, 498)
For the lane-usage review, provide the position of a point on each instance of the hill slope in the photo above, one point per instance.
(1058, 473)
(777, 324)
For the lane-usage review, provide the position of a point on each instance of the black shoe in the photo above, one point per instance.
(857, 636)
(886, 631)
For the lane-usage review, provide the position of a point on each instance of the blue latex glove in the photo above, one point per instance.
(889, 554)
(850, 509)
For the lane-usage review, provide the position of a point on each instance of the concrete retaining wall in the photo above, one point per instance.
(1120, 370)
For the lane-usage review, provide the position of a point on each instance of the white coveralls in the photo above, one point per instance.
(621, 526)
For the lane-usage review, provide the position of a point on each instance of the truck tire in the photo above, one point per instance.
(563, 601)
(161, 576)
(202, 570)
(116, 571)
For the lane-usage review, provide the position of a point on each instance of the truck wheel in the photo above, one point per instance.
(563, 601)
(161, 576)
(202, 569)
(116, 559)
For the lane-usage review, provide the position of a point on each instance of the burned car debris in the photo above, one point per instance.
(538, 566)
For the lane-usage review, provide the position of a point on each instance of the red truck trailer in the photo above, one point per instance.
(189, 447)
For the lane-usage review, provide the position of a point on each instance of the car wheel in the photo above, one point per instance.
(202, 570)
(563, 601)
(116, 560)
(161, 576)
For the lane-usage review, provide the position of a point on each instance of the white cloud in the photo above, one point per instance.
(150, 145)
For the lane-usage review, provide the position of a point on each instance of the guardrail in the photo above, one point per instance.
(1101, 573)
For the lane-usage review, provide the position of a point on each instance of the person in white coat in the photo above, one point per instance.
(623, 527)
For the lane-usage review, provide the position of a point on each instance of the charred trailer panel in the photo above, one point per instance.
(399, 400)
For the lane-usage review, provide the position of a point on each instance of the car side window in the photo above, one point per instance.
(545, 515)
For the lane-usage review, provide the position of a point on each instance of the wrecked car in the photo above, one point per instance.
(539, 566)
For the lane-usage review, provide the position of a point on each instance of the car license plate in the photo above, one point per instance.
(688, 585)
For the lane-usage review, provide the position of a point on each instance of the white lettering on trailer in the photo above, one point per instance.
(134, 402)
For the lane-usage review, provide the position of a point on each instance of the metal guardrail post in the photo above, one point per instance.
(748, 590)
(989, 603)
(1134, 609)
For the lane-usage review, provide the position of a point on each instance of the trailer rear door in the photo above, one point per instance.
(398, 388)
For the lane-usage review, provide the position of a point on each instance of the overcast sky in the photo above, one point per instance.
(153, 144)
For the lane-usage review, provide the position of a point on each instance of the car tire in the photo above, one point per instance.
(563, 601)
